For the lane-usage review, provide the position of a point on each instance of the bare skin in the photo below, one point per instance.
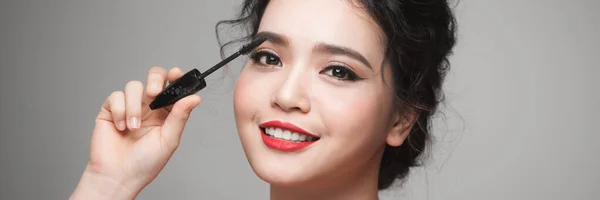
(130, 143)
(320, 71)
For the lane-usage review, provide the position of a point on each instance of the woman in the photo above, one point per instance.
(335, 105)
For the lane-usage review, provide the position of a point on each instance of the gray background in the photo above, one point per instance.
(520, 121)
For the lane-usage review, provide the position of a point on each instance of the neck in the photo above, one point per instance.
(349, 190)
(348, 185)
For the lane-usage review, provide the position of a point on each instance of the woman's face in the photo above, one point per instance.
(310, 104)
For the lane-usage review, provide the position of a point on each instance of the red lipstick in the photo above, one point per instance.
(284, 145)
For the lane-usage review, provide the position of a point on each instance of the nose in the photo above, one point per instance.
(292, 94)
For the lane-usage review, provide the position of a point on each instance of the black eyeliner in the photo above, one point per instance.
(193, 81)
(256, 55)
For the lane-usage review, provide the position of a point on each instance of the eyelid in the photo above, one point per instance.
(347, 67)
(258, 53)
(337, 63)
(264, 49)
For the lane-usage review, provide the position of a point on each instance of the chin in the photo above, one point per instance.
(282, 175)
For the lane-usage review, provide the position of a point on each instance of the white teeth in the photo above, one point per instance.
(287, 135)
(302, 137)
(269, 131)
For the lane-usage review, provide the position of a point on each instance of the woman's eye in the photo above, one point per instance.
(341, 73)
(266, 58)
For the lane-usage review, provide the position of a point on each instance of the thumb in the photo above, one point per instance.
(177, 118)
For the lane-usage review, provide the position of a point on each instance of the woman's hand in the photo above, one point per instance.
(130, 143)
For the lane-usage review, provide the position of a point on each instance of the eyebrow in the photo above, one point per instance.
(339, 50)
(321, 47)
(273, 37)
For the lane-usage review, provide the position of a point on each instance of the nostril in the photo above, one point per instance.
(289, 108)
(291, 98)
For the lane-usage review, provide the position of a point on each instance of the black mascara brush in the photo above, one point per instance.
(193, 81)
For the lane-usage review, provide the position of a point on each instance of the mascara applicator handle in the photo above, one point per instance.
(193, 81)
(188, 84)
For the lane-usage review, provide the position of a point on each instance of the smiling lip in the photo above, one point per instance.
(288, 126)
(284, 145)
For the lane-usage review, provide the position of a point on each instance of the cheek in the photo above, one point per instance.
(357, 124)
(245, 95)
(356, 117)
(251, 94)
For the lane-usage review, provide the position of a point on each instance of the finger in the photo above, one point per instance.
(133, 104)
(174, 74)
(175, 122)
(113, 109)
(157, 77)
(117, 109)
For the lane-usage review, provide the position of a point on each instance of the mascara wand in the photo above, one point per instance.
(193, 81)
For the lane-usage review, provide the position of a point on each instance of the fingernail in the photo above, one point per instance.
(134, 122)
(121, 125)
(155, 87)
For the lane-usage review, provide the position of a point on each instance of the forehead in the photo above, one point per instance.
(337, 22)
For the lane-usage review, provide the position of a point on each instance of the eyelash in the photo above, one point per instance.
(258, 55)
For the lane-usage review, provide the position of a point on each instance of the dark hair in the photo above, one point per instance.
(420, 37)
